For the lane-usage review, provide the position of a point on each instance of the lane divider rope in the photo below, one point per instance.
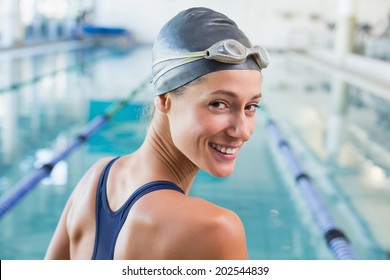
(336, 240)
(16, 193)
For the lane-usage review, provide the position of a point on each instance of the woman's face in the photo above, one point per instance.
(213, 118)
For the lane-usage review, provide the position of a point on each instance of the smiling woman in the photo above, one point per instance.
(216, 116)
(205, 103)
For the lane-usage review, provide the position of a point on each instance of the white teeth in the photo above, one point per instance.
(229, 151)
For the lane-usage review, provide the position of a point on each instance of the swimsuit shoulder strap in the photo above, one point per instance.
(109, 223)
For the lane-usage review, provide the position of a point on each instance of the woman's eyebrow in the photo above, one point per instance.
(257, 96)
(233, 94)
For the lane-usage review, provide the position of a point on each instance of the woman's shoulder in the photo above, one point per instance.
(201, 209)
(85, 190)
(214, 218)
(92, 175)
(210, 232)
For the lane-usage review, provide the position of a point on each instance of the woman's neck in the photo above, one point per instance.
(165, 159)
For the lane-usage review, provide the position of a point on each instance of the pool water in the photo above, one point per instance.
(46, 116)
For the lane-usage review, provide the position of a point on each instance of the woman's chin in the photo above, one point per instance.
(221, 172)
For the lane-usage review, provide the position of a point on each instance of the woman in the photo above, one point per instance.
(208, 87)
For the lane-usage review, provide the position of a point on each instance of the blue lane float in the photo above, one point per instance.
(336, 240)
(109, 36)
(17, 192)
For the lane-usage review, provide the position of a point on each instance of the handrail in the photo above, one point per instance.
(17, 192)
(336, 240)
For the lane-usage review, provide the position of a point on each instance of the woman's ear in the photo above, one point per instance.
(163, 103)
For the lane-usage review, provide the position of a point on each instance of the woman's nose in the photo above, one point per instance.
(240, 127)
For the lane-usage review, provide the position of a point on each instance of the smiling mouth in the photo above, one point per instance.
(224, 150)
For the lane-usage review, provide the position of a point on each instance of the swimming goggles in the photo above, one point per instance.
(226, 51)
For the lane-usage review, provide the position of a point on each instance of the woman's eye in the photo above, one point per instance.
(252, 107)
(218, 105)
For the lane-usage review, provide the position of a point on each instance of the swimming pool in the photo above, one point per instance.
(44, 117)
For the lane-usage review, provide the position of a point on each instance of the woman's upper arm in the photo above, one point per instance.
(59, 247)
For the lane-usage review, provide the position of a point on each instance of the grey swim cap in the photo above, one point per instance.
(194, 30)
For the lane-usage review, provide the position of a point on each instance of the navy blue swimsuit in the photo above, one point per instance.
(109, 223)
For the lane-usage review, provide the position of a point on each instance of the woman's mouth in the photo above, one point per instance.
(223, 149)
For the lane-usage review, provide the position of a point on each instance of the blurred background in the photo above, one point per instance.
(65, 64)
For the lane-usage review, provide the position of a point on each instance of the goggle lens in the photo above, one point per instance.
(234, 49)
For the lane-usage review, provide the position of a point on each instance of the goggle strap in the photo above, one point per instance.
(174, 65)
(181, 55)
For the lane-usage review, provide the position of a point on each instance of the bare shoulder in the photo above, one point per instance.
(93, 173)
(85, 191)
(212, 232)
(76, 215)
(90, 178)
